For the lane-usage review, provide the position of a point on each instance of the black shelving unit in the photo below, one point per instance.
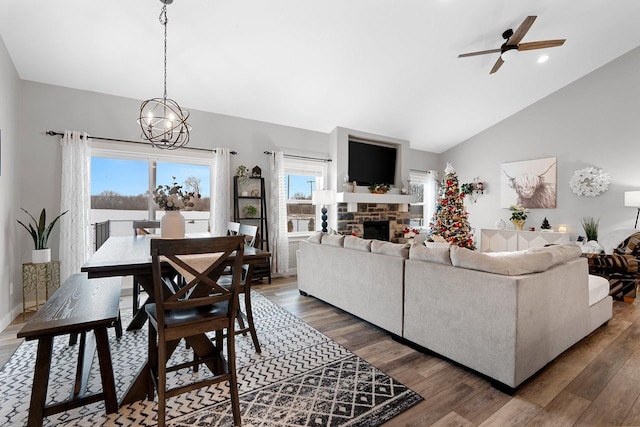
(240, 202)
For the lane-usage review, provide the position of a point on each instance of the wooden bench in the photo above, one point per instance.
(80, 305)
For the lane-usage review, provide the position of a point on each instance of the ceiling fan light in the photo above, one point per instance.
(543, 58)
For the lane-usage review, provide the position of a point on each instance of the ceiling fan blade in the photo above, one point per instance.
(481, 52)
(541, 44)
(522, 30)
(497, 66)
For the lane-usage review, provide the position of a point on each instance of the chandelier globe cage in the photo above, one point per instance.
(162, 121)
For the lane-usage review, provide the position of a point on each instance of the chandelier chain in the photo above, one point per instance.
(163, 20)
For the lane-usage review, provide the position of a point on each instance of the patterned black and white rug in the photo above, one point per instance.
(302, 378)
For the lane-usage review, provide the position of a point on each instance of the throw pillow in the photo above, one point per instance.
(504, 263)
(315, 237)
(354, 242)
(560, 253)
(630, 246)
(388, 248)
(423, 253)
(333, 240)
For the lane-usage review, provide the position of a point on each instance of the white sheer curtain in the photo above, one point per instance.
(426, 186)
(75, 229)
(278, 240)
(430, 195)
(220, 191)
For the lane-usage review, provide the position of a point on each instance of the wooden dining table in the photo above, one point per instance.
(131, 256)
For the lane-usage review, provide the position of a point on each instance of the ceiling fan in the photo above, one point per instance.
(512, 44)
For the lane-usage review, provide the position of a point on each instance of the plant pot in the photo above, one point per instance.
(518, 224)
(172, 225)
(39, 256)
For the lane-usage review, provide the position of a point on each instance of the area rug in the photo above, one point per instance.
(302, 378)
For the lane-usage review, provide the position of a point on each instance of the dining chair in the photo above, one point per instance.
(233, 228)
(140, 228)
(249, 232)
(190, 311)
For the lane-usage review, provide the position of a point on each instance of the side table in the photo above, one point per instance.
(36, 279)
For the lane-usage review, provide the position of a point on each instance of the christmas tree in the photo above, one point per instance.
(450, 219)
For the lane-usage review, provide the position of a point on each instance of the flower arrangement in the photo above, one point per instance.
(173, 198)
(518, 213)
(379, 188)
(410, 232)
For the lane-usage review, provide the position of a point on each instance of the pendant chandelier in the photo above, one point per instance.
(162, 121)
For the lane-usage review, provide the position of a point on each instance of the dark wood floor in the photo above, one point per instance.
(596, 382)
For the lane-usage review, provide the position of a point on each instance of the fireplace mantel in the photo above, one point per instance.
(374, 198)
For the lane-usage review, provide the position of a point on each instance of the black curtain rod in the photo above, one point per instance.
(293, 156)
(53, 133)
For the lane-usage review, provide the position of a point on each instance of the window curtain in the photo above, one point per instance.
(278, 240)
(220, 191)
(425, 186)
(75, 228)
(430, 196)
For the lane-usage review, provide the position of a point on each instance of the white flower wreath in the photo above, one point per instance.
(589, 182)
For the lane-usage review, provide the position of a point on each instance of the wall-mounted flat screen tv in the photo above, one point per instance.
(371, 163)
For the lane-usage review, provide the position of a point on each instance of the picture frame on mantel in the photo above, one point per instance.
(530, 183)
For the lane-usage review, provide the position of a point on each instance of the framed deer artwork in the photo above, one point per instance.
(530, 183)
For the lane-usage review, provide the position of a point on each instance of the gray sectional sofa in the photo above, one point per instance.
(504, 315)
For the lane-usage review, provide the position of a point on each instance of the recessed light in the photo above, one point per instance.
(543, 58)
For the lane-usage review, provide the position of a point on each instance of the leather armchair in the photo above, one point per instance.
(619, 268)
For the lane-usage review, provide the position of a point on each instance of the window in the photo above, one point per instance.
(122, 184)
(424, 185)
(301, 179)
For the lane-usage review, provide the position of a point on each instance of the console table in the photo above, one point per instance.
(38, 278)
(493, 240)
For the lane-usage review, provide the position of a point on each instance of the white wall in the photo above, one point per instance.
(591, 122)
(10, 279)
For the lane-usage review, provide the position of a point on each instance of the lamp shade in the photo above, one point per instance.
(323, 197)
(632, 199)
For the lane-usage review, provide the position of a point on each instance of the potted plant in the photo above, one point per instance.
(518, 216)
(250, 211)
(40, 234)
(590, 225)
(243, 175)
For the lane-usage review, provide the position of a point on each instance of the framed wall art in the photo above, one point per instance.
(530, 183)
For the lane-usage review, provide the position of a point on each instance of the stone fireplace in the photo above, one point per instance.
(353, 222)
(376, 230)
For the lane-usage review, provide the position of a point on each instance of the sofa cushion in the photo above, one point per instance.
(560, 253)
(388, 248)
(315, 237)
(423, 253)
(333, 240)
(504, 263)
(354, 242)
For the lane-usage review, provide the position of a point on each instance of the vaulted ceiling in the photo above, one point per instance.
(382, 66)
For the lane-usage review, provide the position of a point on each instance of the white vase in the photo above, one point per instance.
(500, 224)
(39, 256)
(172, 225)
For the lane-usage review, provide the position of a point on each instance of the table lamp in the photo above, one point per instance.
(324, 198)
(632, 200)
